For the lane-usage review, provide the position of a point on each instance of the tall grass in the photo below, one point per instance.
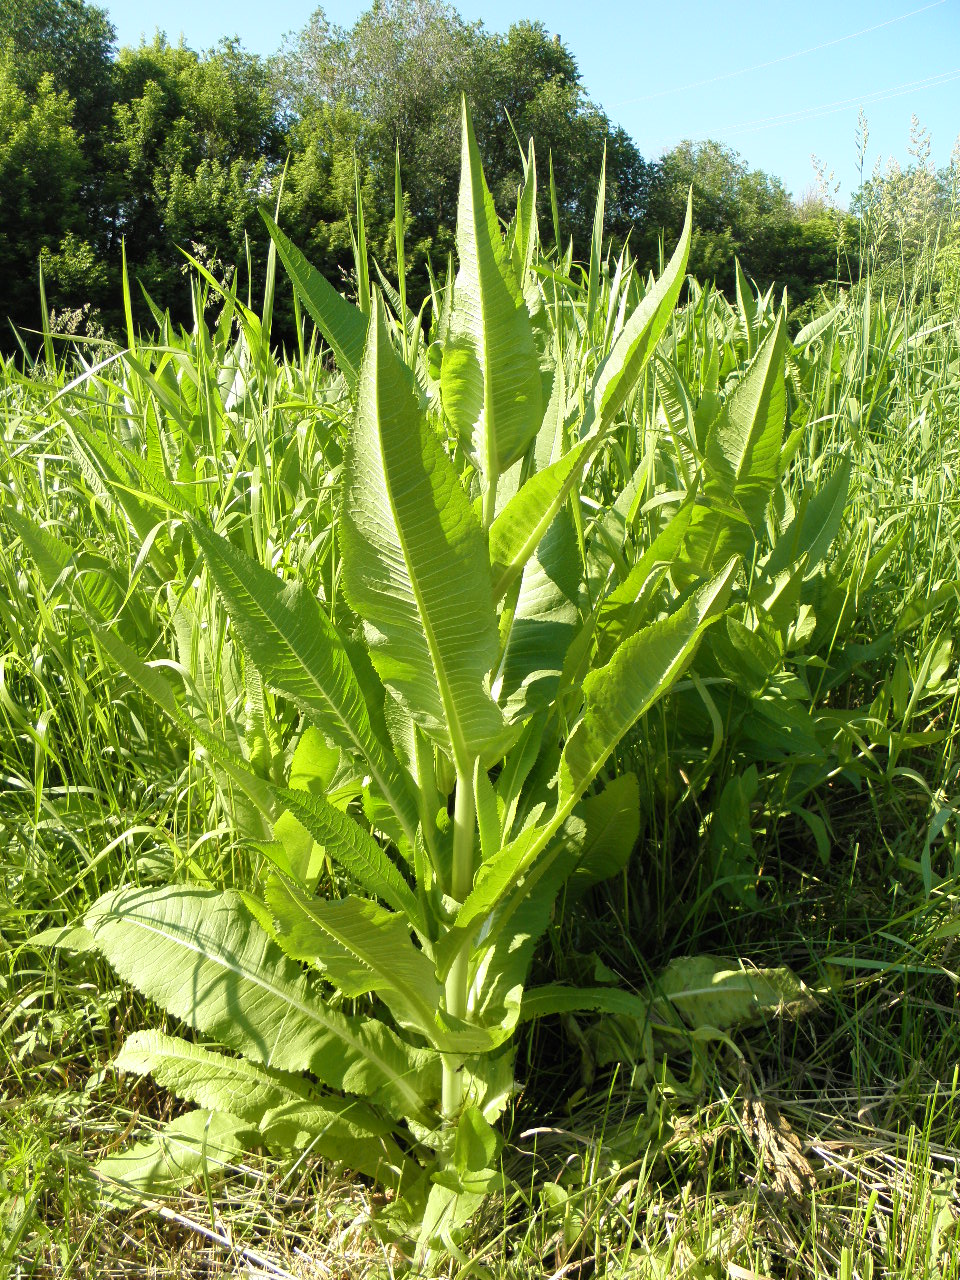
(818, 1147)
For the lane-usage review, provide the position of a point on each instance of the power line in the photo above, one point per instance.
(832, 108)
(773, 62)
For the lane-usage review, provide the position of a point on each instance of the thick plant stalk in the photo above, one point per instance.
(490, 502)
(457, 984)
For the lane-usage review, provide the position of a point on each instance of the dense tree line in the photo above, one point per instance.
(159, 148)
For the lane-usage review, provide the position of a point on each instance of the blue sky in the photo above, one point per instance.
(775, 81)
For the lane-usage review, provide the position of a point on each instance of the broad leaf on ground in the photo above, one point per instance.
(200, 954)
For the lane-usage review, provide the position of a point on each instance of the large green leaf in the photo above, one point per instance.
(212, 1080)
(624, 608)
(593, 844)
(743, 444)
(708, 991)
(490, 376)
(494, 879)
(342, 324)
(541, 1002)
(341, 1132)
(186, 1148)
(361, 947)
(516, 768)
(355, 849)
(364, 949)
(200, 955)
(817, 522)
(611, 830)
(544, 622)
(415, 565)
(299, 653)
(518, 529)
(742, 460)
(747, 304)
(521, 909)
(640, 671)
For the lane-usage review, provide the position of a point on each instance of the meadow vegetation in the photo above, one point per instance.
(479, 769)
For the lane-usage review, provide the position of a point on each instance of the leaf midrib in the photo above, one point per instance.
(411, 995)
(312, 1012)
(462, 758)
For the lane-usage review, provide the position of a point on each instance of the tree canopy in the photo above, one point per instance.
(392, 84)
(160, 148)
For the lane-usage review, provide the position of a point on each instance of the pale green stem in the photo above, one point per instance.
(458, 979)
(490, 502)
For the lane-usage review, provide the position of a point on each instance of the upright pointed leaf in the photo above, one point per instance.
(816, 524)
(346, 842)
(488, 812)
(742, 460)
(623, 609)
(362, 947)
(747, 304)
(554, 210)
(596, 247)
(543, 624)
(594, 844)
(399, 216)
(526, 236)
(518, 529)
(361, 260)
(618, 374)
(743, 445)
(490, 377)
(611, 830)
(415, 565)
(342, 324)
(525, 909)
(105, 472)
(640, 672)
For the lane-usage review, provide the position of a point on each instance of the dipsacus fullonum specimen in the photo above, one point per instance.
(459, 697)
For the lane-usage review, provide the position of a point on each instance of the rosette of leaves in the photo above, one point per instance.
(459, 707)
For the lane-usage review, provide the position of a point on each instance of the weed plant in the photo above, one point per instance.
(791, 814)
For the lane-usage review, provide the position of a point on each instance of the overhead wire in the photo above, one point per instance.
(773, 62)
(821, 110)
